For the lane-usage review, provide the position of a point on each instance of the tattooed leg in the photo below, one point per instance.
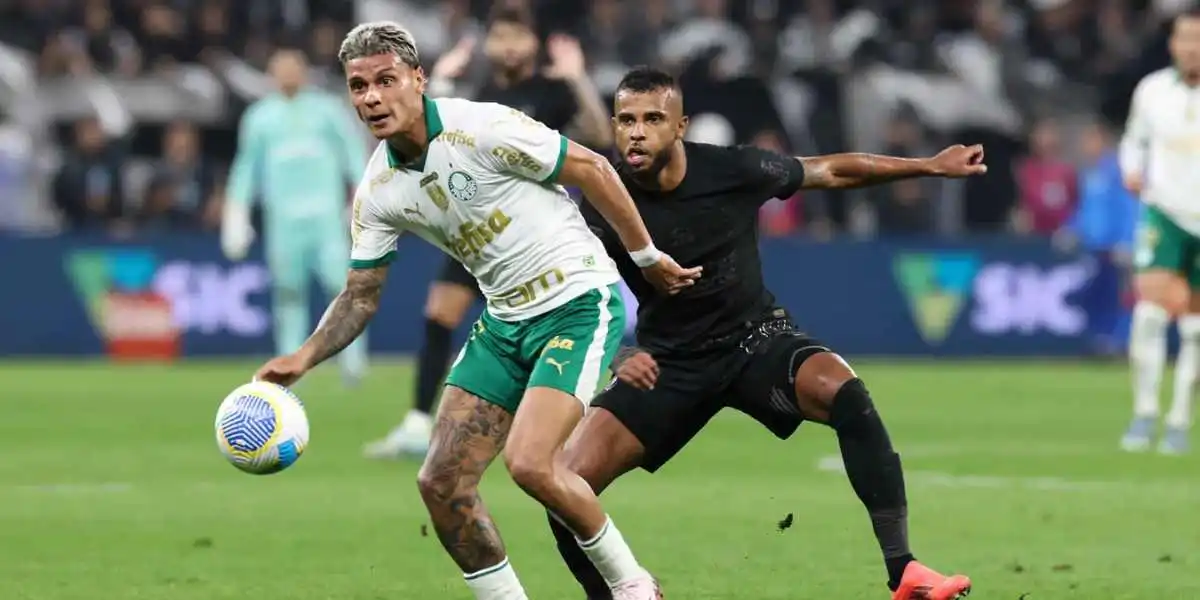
(468, 435)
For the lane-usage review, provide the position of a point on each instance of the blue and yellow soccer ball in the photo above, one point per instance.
(262, 428)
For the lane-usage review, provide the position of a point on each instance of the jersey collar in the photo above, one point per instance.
(433, 128)
(1179, 78)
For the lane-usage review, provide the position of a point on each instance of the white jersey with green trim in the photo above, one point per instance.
(1162, 144)
(484, 193)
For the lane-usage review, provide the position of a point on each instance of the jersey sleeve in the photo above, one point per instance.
(517, 144)
(1136, 139)
(245, 171)
(778, 176)
(372, 238)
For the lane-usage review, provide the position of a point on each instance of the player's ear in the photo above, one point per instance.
(682, 127)
(422, 80)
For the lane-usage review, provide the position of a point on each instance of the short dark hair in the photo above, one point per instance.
(647, 79)
(511, 15)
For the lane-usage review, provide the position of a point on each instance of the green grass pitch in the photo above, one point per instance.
(112, 488)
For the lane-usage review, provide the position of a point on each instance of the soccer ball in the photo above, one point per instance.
(262, 428)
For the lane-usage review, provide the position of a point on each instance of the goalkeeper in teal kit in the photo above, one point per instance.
(300, 153)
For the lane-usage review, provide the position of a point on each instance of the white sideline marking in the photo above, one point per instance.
(832, 463)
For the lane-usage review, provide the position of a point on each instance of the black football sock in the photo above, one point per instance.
(580, 565)
(874, 470)
(432, 366)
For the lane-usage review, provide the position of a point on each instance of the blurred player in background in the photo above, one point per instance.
(563, 98)
(298, 150)
(482, 183)
(1160, 160)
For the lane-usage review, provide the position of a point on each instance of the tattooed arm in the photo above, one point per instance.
(857, 169)
(346, 317)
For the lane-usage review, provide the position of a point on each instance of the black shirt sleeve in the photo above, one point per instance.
(776, 175)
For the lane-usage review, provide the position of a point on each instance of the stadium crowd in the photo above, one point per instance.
(122, 114)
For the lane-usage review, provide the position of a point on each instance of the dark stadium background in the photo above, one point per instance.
(950, 292)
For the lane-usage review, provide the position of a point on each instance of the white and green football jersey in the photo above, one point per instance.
(485, 193)
(1162, 143)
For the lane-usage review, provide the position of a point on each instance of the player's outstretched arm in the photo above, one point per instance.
(602, 187)
(236, 231)
(1135, 141)
(343, 321)
(600, 184)
(857, 169)
(347, 317)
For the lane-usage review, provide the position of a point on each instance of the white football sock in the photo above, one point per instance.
(1187, 368)
(1147, 356)
(611, 555)
(498, 582)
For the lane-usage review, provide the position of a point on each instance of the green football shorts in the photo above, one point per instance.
(1162, 244)
(567, 349)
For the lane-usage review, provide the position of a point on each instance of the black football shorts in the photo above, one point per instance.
(755, 375)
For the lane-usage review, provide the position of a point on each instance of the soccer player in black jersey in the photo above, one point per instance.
(562, 97)
(724, 342)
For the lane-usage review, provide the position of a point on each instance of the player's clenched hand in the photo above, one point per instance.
(959, 161)
(1133, 183)
(284, 370)
(669, 277)
(639, 370)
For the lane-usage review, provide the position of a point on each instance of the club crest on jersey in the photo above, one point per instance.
(462, 186)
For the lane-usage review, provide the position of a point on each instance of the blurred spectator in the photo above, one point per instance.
(709, 29)
(17, 167)
(31, 24)
(619, 34)
(989, 57)
(744, 102)
(561, 95)
(164, 37)
(906, 207)
(88, 190)
(1103, 227)
(324, 69)
(807, 42)
(911, 49)
(213, 28)
(1061, 33)
(183, 192)
(826, 75)
(1048, 185)
(100, 44)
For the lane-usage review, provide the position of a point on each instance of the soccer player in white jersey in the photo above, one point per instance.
(480, 181)
(1160, 161)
